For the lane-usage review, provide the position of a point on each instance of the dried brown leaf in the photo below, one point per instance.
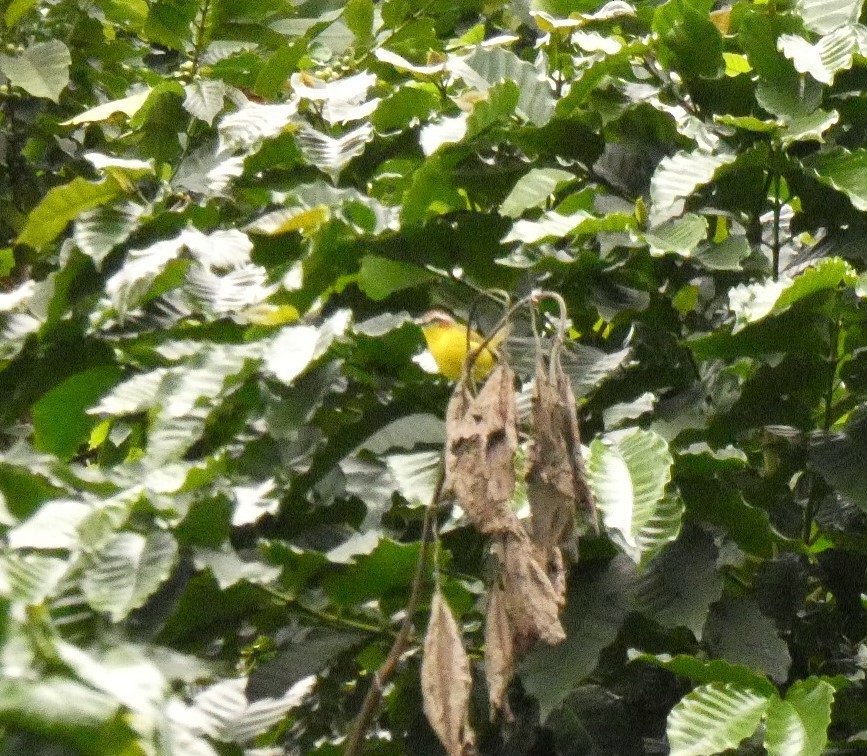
(499, 651)
(531, 601)
(446, 680)
(481, 439)
(557, 480)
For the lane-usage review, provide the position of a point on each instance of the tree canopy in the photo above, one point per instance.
(225, 527)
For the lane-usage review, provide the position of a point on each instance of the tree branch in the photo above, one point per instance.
(369, 707)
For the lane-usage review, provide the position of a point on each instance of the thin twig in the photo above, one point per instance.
(775, 249)
(369, 707)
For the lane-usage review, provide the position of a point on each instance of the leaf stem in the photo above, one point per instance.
(833, 357)
(775, 248)
(200, 41)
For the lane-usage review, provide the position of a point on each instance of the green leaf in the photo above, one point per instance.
(170, 22)
(677, 177)
(842, 170)
(809, 716)
(431, 193)
(748, 123)
(129, 13)
(808, 127)
(379, 277)
(753, 302)
(17, 9)
(248, 127)
(331, 154)
(784, 732)
(127, 571)
(533, 188)
(97, 232)
(680, 583)
(61, 205)
(231, 718)
(662, 528)
(737, 631)
(42, 70)
(487, 66)
(498, 106)
(715, 671)
(358, 15)
(404, 105)
(839, 458)
(824, 16)
(204, 98)
(301, 659)
(228, 568)
(60, 423)
(691, 43)
(62, 708)
(296, 346)
(727, 255)
(680, 236)
(388, 567)
(628, 472)
(129, 106)
(714, 718)
(825, 59)
(597, 605)
(31, 578)
(275, 71)
(553, 225)
(749, 527)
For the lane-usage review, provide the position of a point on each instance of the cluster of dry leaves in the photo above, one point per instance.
(528, 591)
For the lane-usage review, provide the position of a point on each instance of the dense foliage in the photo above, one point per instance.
(218, 219)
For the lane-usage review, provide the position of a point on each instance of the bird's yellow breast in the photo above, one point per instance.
(448, 345)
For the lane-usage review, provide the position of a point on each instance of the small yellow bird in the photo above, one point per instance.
(447, 341)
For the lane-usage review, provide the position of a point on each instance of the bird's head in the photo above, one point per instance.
(436, 319)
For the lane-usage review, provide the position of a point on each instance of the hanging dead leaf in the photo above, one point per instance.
(531, 601)
(446, 680)
(557, 480)
(481, 439)
(499, 652)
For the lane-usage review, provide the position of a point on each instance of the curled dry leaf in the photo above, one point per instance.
(481, 439)
(499, 651)
(532, 603)
(557, 479)
(446, 680)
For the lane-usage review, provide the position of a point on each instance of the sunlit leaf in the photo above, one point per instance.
(827, 57)
(824, 16)
(98, 231)
(799, 724)
(63, 204)
(127, 571)
(488, 66)
(628, 473)
(205, 99)
(713, 718)
(533, 189)
(752, 302)
(332, 154)
(844, 171)
(680, 236)
(129, 106)
(42, 69)
(253, 123)
(677, 177)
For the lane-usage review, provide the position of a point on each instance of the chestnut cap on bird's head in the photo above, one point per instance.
(435, 318)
